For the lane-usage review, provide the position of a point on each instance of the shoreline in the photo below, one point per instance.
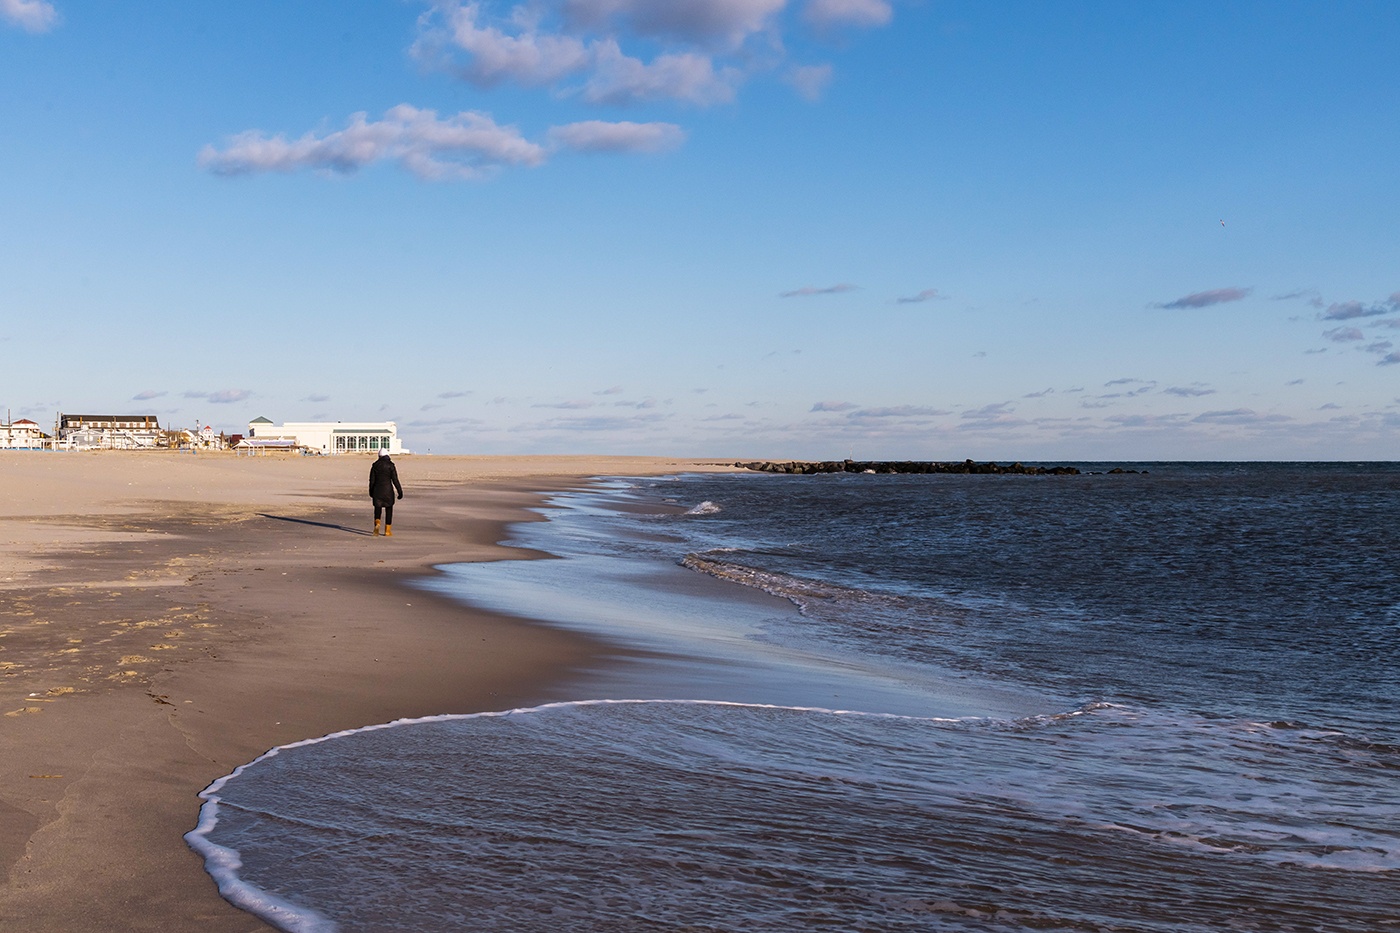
(181, 615)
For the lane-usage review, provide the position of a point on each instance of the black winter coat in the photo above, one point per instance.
(384, 480)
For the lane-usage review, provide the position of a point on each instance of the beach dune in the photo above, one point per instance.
(165, 617)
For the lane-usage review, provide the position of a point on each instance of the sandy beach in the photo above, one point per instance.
(166, 617)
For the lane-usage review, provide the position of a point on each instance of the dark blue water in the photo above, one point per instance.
(1268, 590)
(1162, 702)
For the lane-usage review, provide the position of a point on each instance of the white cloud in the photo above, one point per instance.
(833, 13)
(624, 51)
(729, 22)
(495, 56)
(684, 76)
(810, 81)
(466, 145)
(622, 136)
(30, 15)
(833, 406)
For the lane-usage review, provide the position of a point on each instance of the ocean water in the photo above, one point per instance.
(1161, 702)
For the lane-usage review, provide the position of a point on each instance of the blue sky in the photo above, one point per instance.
(767, 228)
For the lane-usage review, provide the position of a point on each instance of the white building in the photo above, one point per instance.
(22, 435)
(331, 437)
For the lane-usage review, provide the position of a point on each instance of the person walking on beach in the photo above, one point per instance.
(383, 483)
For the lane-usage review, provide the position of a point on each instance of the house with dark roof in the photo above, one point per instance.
(108, 432)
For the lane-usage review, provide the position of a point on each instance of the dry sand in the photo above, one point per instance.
(166, 617)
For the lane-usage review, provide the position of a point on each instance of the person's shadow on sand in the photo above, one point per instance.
(305, 521)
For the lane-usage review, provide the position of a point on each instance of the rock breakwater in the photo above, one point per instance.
(903, 466)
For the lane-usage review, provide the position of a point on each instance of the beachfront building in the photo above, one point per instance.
(108, 432)
(22, 435)
(329, 437)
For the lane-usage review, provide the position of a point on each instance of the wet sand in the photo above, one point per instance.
(166, 617)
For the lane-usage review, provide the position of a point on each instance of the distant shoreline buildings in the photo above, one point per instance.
(143, 432)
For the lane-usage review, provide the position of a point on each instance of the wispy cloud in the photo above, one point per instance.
(989, 417)
(1145, 421)
(147, 395)
(1350, 310)
(898, 411)
(995, 410)
(446, 423)
(602, 136)
(594, 423)
(807, 291)
(928, 294)
(1140, 387)
(1313, 298)
(572, 405)
(317, 398)
(222, 396)
(1191, 391)
(1205, 299)
(467, 145)
(1238, 416)
(1344, 334)
(834, 406)
(34, 16)
(454, 394)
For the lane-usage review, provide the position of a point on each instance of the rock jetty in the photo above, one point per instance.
(902, 466)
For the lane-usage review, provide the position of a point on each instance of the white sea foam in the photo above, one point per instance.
(705, 508)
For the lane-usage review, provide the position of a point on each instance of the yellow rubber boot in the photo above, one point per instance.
(388, 531)
(376, 526)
